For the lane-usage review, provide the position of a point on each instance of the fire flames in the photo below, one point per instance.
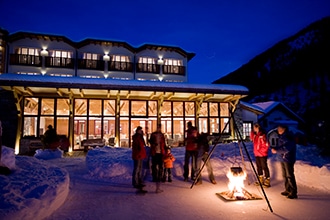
(236, 183)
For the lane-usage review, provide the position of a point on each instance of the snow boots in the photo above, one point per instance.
(261, 179)
(267, 182)
(264, 181)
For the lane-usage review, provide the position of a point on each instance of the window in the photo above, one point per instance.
(26, 56)
(247, 128)
(147, 64)
(173, 66)
(91, 60)
(60, 58)
(120, 63)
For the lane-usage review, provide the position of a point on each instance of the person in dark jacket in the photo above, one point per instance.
(157, 149)
(50, 138)
(203, 153)
(260, 150)
(138, 155)
(286, 151)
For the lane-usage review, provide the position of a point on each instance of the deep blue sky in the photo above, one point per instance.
(224, 34)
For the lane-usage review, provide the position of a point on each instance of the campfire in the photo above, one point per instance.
(236, 188)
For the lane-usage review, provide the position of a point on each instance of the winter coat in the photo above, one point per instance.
(154, 143)
(286, 147)
(138, 147)
(191, 141)
(202, 144)
(168, 160)
(260, 144)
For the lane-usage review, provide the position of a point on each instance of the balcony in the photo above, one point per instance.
(170, 69)
(147, 68)
(59, 62)
(120, 66)
(91, 64)
(23, 59)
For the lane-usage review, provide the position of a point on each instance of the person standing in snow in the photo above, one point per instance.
(138, 155)
(168, 165)
(191, 152)
(260, 150)
(203, 154)
(157, 148)
(50, 139)
(286, 151)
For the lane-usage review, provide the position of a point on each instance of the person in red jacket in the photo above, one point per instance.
(191, 152)
(168, 165)
(138, 155)
(260, 150)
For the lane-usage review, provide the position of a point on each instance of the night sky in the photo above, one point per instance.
(224, 34)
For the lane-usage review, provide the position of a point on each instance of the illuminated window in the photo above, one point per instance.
(28, 56)
(147, 64)
(91, 59)
(173, 66)
(60, 58)
(120, 63)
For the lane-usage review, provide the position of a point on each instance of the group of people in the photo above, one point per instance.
(286, 153)
(197, 151)
(161, 159)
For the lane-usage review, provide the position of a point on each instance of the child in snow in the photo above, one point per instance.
(168, 165)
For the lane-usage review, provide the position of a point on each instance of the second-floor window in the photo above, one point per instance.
(60, 58)
(120, 63)
(26, 56)
(91, 60)
(173, 66)
(147, 64)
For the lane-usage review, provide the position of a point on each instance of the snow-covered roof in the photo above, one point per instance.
(35, 83)
(268, 106)
(251, 107)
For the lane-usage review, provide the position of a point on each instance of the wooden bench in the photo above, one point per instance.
(87, 143)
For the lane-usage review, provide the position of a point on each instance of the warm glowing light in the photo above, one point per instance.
(236, 182)
(106, 57)
(160, 78)
(44, 52)
(160, 61)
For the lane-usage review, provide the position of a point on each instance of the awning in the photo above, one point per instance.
(78, 87)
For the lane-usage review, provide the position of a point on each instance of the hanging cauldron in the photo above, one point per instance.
(236, 171)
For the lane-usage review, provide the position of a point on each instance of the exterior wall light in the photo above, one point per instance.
(160, 61)
(44, 52)
(106, 57)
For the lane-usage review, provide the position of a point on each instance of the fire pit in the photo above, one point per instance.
(236, 191)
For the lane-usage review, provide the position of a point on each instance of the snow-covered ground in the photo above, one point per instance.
(98, 186)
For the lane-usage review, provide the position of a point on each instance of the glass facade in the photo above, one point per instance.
(96, 119)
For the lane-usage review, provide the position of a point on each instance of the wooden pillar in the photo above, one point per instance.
(117, 120)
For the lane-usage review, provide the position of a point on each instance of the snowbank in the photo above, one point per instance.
(34, 189)
(108, 162)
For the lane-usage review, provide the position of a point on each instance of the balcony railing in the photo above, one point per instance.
(91, 64)
(169, 69)
(60, 62)
(23, 59)
(147, 68)
(120, 66)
